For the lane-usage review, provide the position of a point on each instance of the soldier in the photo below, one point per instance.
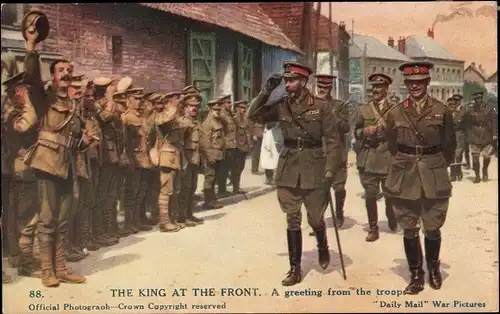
(481, 128)
(395, 99)
(60, 135)
(457, 112)
(108, 174)
(212, 149)
(341, 111)
(88, 187)
(305, 170)
(75, 217)
(243, 142)
(257, 131)
(168, 144)
(157, 104)
(190, 102)
(422, 141)
(21, 132)
(228, 164)
(374, 157)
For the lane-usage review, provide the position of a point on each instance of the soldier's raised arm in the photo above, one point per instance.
(257, 111)
(33, 75)
(166, 116)
(27, 119)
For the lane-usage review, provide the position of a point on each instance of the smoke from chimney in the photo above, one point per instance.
(461, 11)
(390, 42)
(430, 33)
(402, 45)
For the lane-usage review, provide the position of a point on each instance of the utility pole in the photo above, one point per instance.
(316, 41)
(363, 73)
(305, 38)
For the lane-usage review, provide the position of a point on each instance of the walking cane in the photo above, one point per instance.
(334, 219)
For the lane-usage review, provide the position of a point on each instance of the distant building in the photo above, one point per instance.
(474, 74)
(491, 84)
(448, 73)
(378, 57)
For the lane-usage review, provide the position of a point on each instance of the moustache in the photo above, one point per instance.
(66, 78)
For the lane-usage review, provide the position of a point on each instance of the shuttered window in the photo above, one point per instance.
(245, 72)
(201, 67)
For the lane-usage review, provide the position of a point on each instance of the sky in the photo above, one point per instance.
(469, 34)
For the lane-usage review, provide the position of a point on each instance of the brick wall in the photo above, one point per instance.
(288, 16)
(153, 49)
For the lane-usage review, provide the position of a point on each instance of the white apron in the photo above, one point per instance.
(272, 142)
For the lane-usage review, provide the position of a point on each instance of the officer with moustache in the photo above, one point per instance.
(305, 169)
(374, 157)
(422, 142)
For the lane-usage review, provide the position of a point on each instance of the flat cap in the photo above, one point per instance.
(148, 95)
(167, 96)
(124, 84)
(190, 89)
(224, 98)
(15, 80)
(214, 104)
(156, 97)
(191, 99)
(102, 81)
(416, 71)
(478, 94)
(395, 98)
(294, 69)
(241, 104)
(324, 80)
(379, 78)
(457, 97)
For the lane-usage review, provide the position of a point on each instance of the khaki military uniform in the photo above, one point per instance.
(212, 146)
(228, 163)
(458, 114)
(154, 183)
(169, 143)
(341, 112)
(373, 161)
(480, 123)
(109, 175)
(303, 162)
(23, 196)
(137, 178)
(243, 144)
(190, 174)
(257, 130)
(418, 180)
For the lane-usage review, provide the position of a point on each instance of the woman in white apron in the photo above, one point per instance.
(272, 143)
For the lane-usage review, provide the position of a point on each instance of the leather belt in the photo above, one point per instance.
(301, 143)
(69, 142)
(419, 150)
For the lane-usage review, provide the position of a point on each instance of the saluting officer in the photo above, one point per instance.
(340, 109)
(481, 128)
(305, 170)
(422, 140)
(374, 157)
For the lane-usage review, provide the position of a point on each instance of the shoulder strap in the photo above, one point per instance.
(68, 118)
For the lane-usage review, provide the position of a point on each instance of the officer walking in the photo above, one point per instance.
(374, 157)
(305, 171)
(481, 128)
(422, 141)
(341, 111)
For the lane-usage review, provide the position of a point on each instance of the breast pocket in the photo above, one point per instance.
(433, 128)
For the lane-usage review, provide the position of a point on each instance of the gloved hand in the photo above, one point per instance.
(272, 82)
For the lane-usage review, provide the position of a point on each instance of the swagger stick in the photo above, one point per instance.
(334, 220)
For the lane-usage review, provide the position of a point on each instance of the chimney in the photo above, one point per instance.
(390, 42)
(430, 33)
(402, 45)
(481, 68)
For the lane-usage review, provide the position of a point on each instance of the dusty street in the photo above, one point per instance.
(244, 246)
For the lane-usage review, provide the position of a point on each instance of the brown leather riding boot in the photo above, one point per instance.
(322, 245)
(63, 273)
(28, 267)
(414, 256)
(46, 244)
(339, 207)
(294, 275)
(165, 224)
(475, 167)
(391, 217)
(371, 208)
(486, 163)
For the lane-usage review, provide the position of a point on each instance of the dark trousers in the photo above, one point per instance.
(226, 167)
(239, 164)
(6, 180)
(256, 154)
(189, 185)
(106, 198)
(210, 172)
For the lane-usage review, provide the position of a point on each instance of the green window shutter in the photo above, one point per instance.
(245, 72)
(201, 65)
